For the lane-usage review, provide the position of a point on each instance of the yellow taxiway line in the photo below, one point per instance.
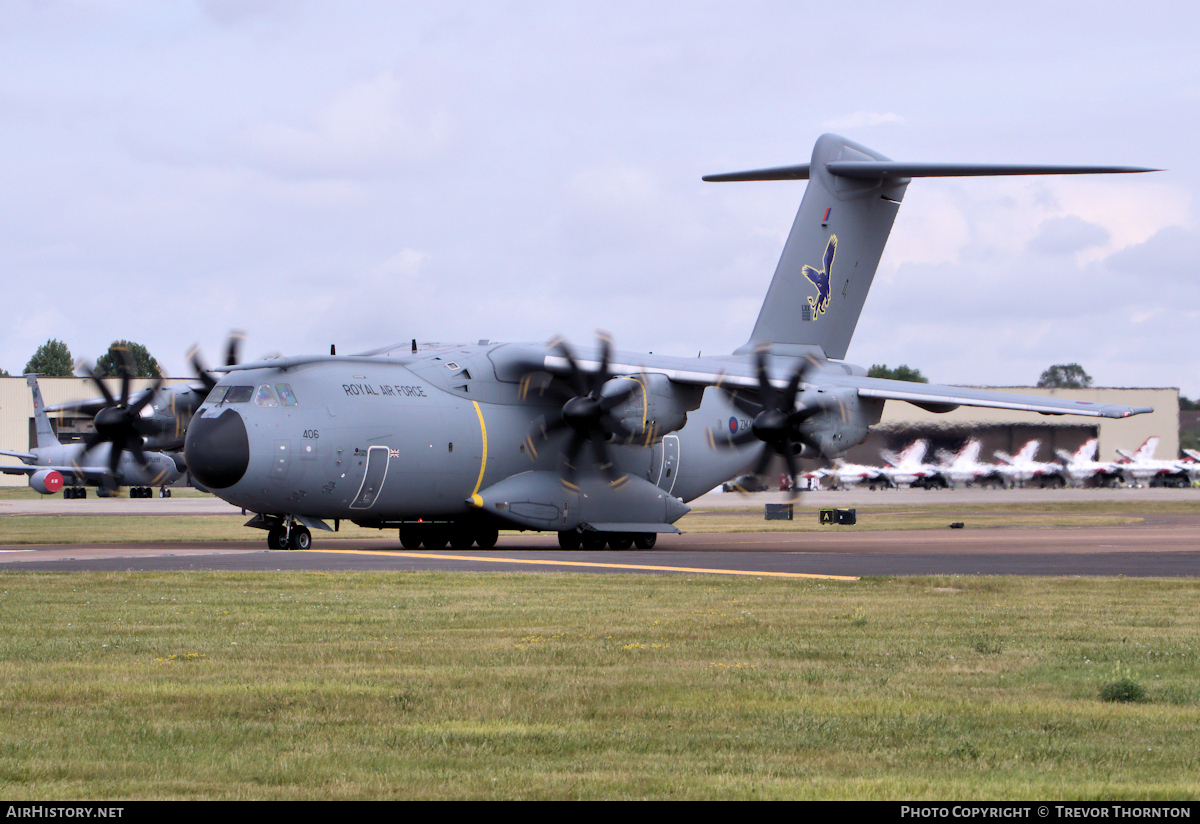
(588, 564)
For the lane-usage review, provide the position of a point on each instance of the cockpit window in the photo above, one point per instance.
(286, 397)
(239, 394)
(265, 396)
(217, 394)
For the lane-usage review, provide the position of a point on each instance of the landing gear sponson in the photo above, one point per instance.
(593, 541)
(458, 535)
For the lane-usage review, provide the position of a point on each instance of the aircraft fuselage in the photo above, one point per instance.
(397, 441)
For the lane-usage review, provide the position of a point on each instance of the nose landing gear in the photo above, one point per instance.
(289, 535)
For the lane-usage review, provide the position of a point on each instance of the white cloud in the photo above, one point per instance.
(370, 126)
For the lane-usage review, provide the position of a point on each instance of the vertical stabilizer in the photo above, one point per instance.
(41, 421)
(1147, 449)
(829, 260)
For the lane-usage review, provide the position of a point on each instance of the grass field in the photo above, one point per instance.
(421, 685)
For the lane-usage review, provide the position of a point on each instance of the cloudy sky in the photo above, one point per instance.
(363, 173)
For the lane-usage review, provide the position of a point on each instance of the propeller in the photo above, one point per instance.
(120, 422)
(231, 359)
(777, 419)
(586, 410)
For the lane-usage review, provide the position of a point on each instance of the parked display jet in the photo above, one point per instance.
(1021, 468)
(102, 462)
(846, 475)
(1141, 467)
(1082, 466)
(908, 467)
(451, 443)
(964, 468)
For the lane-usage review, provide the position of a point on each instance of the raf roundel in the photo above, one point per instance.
(733, 426)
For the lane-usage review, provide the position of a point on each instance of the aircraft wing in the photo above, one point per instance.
(944, 398)
(90, 407)
(73, 474)
(24, 456)
(739, 372)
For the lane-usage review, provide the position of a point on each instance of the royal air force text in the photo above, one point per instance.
(359, 389)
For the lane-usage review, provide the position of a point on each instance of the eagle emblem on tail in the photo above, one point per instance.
(820, 279)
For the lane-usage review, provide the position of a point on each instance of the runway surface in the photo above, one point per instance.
(1162, 546)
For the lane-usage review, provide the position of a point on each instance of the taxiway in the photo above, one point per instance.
(1160, 546)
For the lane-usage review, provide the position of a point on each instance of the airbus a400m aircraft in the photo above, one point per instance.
(452, 443)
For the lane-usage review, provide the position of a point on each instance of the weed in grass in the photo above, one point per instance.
(1124, 691)
(987, 644)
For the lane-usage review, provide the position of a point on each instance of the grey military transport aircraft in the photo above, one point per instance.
(106, 460)
(448, 444)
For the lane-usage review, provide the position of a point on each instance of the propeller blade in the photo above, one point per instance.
(200, 367)
(586, 409)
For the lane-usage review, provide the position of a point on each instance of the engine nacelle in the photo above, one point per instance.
(843, 423)
(657, 407)
(47, 481)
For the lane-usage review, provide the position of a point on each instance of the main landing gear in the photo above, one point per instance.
(148, 492)
(279, 537)
(592, 541)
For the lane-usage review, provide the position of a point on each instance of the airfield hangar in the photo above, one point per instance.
(901, 424)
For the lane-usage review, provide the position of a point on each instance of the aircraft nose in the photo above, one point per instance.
(217, 449)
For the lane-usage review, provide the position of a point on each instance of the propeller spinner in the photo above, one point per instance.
(777, 419)
(120, 422)
(586, 411)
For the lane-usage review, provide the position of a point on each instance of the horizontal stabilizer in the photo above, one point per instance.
(881, 170)
(896, 170)
(778, 173)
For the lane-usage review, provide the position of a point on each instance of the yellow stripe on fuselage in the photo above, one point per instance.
(483, 460)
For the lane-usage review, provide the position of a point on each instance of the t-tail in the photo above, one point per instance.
(837, 239)
(45, 432)
(1086, 452)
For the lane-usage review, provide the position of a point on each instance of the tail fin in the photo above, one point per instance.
(837, 239)
(829, 260)
(1086, 451)
(971, 449)
(911, 455)
(45, 432)
(1029, 450)
(1027, 453)
(1147, 449)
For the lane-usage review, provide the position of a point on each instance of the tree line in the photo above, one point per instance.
(53, 359)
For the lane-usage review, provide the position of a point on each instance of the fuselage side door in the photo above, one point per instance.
(373, 477)
(667, 452)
